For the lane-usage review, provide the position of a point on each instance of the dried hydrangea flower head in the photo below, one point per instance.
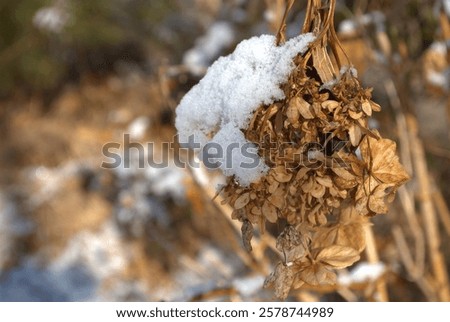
(324, 171)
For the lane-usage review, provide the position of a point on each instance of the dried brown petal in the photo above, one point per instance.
(270, 212)
(303, 107)
(280, 174)
(325, 181)
(247, 235)
(375, 107)
(316, 274)
(337, 256)
(318, 190)
(343, 173)
(382, 161)
(242, 201)
(281, 279)
(330, 105)
(355, 134)
(292, 112)
(355, 115)
(367, 108)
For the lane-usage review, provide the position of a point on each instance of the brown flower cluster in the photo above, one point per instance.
(328, 173)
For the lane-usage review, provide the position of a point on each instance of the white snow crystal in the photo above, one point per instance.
(232, 89)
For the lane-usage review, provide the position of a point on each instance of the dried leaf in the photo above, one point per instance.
(281, 279)
(270, 212)
(289, 242)
(343, 173)
(303, 107)
(292, 112)
(355, 134)
(318, 190)
(325, 181)
(355, 115)
(375, 107)
(316, 274)
(301, 173)
(382, 161)
(330, 105)
(247, 235)
(322, 64)
(242, 201)
(378, 198)
(281, 175)
(367, 108)
(337, 256)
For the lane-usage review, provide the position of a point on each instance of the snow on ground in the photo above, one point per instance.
(211, 269)
(216, 109)
(207, 48)
(12, 226)
(362, 272)
(91, 259)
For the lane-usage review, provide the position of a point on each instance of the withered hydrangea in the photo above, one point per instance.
(327, 171)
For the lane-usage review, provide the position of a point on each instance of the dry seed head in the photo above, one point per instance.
(328, 170)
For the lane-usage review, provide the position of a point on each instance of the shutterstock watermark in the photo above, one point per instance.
(213, 155)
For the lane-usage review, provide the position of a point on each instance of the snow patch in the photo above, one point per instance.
(138, 127)
(51, 18)
(363, 272)
(233, 88)
(219, 37)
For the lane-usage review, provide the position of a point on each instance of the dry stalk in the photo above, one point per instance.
(372, 257)
(406, 257)
(428, 213)
(406, 195)
(442, 209)
(256, 259)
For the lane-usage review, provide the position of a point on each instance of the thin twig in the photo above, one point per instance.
(442, 209)
(408, 262)
(428, 213)
(259, 244)
(372, 257)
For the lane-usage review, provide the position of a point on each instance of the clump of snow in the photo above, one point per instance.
(439, 77)
(350, 26)
(248, 286)
(138, 127)
(219, 37)
(143, 188)
(47, 181)
(51, 18)
(222, 103)
(101, 252)
(446, 4)
(363, 272)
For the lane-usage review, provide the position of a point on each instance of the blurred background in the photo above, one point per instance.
(77, 74)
